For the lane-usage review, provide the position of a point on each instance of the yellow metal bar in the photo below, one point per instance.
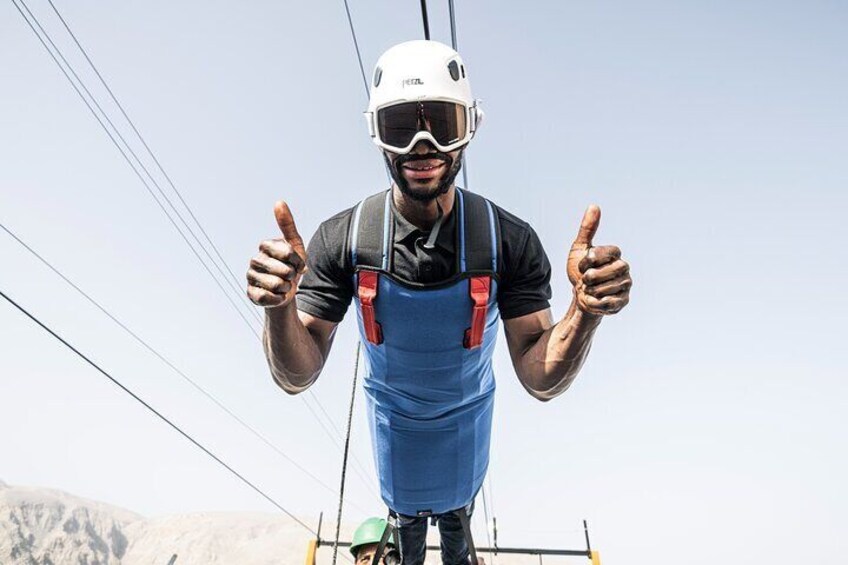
(311, 550)
(596, 558)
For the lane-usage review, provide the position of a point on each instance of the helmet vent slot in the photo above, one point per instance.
(453, 68)
(378, 74)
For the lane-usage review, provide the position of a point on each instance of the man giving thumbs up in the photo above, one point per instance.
(276, 270)
(431, 269)
(600, 277)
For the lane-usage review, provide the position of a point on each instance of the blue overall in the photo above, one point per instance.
(429, 383)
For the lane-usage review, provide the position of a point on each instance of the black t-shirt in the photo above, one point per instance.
(524, 272)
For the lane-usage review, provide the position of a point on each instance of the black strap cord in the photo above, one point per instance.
(425, 19)
(462, 514)
(346, 452)
(389, 531)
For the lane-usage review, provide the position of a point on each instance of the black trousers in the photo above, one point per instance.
(412, 531)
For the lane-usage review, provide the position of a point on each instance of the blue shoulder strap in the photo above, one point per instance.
(478, 228)
(371, 233)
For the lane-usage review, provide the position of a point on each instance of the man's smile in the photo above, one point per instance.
(424, 168)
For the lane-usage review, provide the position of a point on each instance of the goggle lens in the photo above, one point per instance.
(398, 124)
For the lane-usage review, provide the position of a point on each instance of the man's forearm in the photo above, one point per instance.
(293, 356)
(550, 364)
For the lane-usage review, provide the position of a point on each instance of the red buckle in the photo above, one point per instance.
(369, 281)
(479, 288)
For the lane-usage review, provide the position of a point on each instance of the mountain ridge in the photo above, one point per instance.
(40, 526)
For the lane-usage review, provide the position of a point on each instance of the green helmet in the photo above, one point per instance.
(370, 531)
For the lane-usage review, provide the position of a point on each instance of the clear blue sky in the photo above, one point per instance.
(709, 424)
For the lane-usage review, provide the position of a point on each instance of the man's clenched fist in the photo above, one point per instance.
(600, 277)
(275, 272)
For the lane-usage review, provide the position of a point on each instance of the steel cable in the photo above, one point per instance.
(158, 414)
(169, 364)
(146, 185)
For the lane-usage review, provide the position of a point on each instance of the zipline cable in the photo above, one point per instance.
(358, 467)
(169, 364)
(486, 518)
(356, 46)
(493, 510)
(162, 417)
(121, 149)
(361, 67)
(356, 461)
(425, 19)
(147, 186)
(346, 450)
(179, 195)
(452, 23)
(452, 13)
(135, 155)
(146, 146)
(452, 17)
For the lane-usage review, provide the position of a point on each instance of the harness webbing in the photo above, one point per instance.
(478, 238)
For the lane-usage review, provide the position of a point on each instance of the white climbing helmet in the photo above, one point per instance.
(420, 90)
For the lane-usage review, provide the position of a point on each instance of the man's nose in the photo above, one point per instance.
(423, 147)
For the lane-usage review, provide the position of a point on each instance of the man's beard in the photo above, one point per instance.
(444, 185)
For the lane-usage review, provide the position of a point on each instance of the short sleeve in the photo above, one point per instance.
(326, 288)
(525, 285)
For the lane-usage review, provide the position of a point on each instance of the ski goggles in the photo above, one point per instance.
(447, 125)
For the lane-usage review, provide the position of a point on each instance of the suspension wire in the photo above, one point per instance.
(173, 186)
(158, 414)
(144, 182)
(361, 69)
(358, 467)
(425, 19)
(492, 504)
(121, 149)
(146, 146)
(452, 23)
(346, 450)
(486, 517)
(452, 13)
(356, 46)
(133, 153)
(169, 364)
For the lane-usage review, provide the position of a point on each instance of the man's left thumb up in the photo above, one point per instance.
(588, 228)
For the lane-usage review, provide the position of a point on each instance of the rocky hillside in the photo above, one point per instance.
(45, 527)
(48, 527)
